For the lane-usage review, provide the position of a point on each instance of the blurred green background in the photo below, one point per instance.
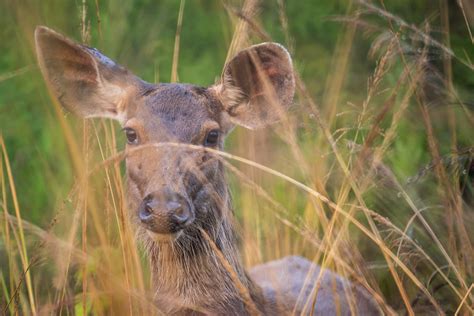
(140, 35)
(326, 39)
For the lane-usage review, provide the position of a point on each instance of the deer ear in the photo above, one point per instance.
(258, 85)
(85, 82)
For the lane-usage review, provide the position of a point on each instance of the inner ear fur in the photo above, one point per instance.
(257, 85)
(85, 81)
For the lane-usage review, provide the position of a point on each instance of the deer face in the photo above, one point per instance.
(172, 189)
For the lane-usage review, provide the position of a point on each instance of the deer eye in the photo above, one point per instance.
(132, 137)
(212, 138)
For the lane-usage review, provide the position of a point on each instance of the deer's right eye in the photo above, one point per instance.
(132, 137)
(212, 138)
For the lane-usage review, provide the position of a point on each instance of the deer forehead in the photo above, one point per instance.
(256, 87)
(174, 112)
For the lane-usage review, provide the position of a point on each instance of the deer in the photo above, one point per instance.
(178, 197)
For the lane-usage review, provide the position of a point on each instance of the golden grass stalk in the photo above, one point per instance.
(174, 66)
(21, 243)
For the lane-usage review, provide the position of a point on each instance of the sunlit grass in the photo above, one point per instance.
(329, 182)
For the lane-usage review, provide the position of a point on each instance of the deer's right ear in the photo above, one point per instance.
(257, 85)
(85, 82)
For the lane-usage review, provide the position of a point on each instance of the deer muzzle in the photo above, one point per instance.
(165, 212)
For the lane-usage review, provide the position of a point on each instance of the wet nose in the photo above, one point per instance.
(165, 212)
(179, 213)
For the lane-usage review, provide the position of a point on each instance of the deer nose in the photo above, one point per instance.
(179, 213)
(165, 212)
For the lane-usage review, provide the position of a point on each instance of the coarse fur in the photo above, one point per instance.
(178, 196)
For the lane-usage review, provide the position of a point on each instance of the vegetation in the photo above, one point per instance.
(371, 175)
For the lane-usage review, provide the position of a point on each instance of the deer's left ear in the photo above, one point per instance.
(257, 85)
(84, 80)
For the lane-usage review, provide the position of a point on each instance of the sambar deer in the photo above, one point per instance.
(178, 196)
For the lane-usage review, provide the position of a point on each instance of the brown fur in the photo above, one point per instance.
(195, 263)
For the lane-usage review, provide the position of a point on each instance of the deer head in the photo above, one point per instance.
(171, 191)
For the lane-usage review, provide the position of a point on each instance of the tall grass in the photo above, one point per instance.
(375, 185)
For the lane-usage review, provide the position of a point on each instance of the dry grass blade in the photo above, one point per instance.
(240, 35)
(467, 20)
(375, 237)
(252, 309)
(177, 40)
(464, 299)
(15, 73)
(21, 243)
(364, 174)
(423, 36)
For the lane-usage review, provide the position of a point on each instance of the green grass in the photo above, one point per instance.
(369, 176)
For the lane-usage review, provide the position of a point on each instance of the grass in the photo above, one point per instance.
(374, 181)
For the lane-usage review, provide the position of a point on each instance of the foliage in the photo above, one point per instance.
(389, 136)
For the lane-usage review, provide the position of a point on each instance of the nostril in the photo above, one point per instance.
(146, 212)
(180, 218)
(179, 213)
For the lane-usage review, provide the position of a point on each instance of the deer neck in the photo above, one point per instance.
(189, 275)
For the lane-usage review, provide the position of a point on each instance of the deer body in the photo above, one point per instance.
(178, 196)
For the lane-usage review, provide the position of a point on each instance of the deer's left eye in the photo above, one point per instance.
(132, 137)
(212, 138)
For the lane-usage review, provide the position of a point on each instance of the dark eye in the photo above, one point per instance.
(131, 135)
(212, 138)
